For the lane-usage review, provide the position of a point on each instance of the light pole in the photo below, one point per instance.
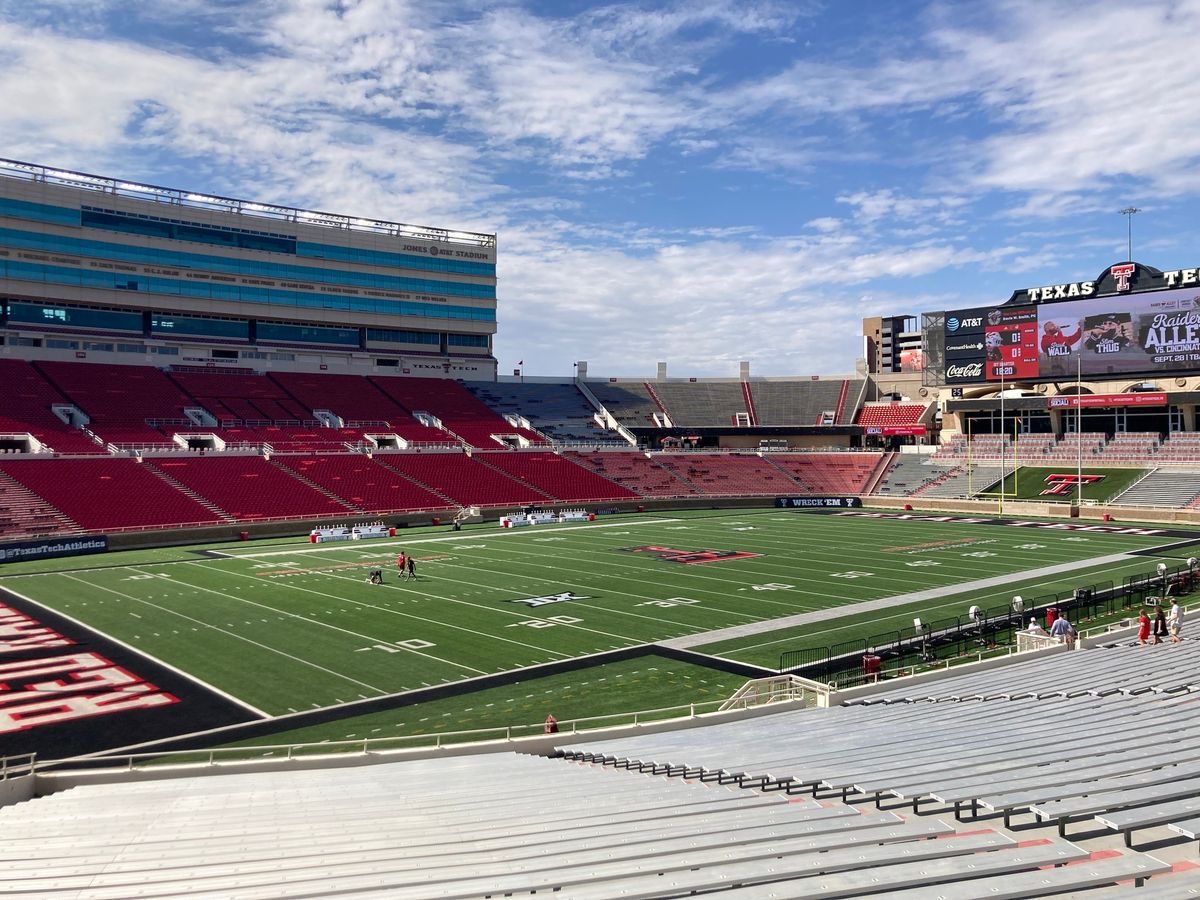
(1129, 212)
(1003, 455)
(1079, 424)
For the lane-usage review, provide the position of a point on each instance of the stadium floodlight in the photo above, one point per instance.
(1018, 604)
(1162, 568)
(1192, 561)
(1129, 212)
(975, 613)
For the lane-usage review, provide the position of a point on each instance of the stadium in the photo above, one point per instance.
(656, 636)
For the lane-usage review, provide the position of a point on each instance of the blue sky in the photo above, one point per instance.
(698, 182)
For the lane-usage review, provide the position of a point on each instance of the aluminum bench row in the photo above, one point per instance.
(1098, 671)
(1136, 791)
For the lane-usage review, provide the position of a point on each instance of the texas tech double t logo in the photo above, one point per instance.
(1066, 484)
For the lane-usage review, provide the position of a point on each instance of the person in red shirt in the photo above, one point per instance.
(400, 563)
(1143, 628)
(1056, 342)
(1056, 347)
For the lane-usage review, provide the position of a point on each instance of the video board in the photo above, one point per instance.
(1123, 334)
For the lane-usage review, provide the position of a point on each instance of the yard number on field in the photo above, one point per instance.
(548, 622)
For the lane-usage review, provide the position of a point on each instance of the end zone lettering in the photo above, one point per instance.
(19, 632)
(87, 685)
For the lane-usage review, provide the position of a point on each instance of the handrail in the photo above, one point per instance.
(17, 765)
(775, 688)
(216, 755)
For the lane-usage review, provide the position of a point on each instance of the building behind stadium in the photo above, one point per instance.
(110, 271)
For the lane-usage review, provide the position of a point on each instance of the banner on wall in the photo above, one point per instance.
(1085, 401)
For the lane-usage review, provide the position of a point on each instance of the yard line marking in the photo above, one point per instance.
(464, 536)
(230, 633)
(365, 637)
(132, 649)
(405, 615)
(590, 586)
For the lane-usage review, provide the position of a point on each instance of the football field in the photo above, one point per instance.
(288, 626)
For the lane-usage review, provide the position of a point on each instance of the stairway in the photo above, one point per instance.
(518, 479)
(24, 514)
(308, 482)
(381, 460)
(187, 491)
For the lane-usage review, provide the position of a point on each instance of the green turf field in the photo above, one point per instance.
(605, 695)
(290, 626)
(1029, 482)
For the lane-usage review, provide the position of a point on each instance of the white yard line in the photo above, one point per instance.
(514, 613)
(232, 634)
(312, 621)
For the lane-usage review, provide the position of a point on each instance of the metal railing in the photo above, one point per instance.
(504, 733)
(17, 766)
(846, 664)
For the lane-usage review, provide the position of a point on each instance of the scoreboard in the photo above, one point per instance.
(1010, 341)
(1106, 333)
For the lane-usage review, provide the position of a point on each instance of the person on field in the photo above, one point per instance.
(412, 567)
(400, 562)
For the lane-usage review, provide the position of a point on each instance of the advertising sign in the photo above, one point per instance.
(1116, 334)
(52, 547)
(1154, 332)
(896, 430)
(1150, 398)
(823, 502)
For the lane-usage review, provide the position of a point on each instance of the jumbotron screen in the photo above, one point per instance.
(1116, 335)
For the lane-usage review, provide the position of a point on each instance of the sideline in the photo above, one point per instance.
(837, 612)
(398, 541)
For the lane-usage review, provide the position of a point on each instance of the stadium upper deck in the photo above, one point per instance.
(113, 271)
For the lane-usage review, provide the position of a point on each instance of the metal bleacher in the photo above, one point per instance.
(466, 827)
(1105, 739)
(1162, 488)
(559, 411)
(702, 403)
(782, 805)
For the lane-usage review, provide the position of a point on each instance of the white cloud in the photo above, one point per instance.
(895, 166)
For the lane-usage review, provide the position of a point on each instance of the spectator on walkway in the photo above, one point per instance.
(1175, 620)
(551, 726)
(1160, 625)
(1143, 628)
(1035, 627)
(1063, 630)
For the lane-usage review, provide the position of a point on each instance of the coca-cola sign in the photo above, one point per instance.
(966, 372)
